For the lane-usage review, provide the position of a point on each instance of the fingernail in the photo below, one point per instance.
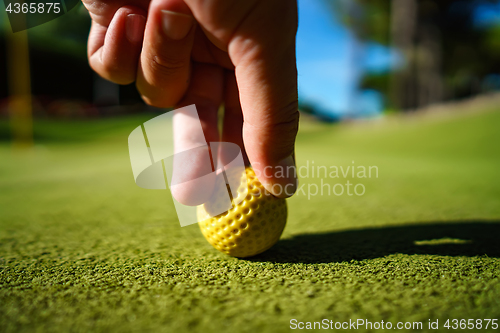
(176, 26)
(135, 27)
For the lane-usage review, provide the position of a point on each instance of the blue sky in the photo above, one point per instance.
(327, 73)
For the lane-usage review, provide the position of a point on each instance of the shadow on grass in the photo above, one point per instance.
(454, 238)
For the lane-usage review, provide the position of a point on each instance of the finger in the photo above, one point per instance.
(267, 81)
(260, 39)
(164, 70)
(206, 91)
(191, 133)
(206, 52)
(114, 49)
(233, 117)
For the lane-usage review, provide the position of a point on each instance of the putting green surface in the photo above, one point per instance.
(82, 248)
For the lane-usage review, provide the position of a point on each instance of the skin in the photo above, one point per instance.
(240, 54)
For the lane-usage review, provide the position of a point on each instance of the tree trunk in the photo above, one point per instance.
(429, 76)
(403, 85)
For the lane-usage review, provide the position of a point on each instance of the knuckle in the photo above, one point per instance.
(281, 127)
(166, 66)
(288, 125)
(287, 117)
(151, 102)
(114, 73)
(154, 97)
(152, 84)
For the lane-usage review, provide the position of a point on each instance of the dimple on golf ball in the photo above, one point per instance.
(252, 226)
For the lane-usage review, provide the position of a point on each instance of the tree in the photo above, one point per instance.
(446, 54)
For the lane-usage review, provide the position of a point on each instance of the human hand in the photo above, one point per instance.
(237, 53)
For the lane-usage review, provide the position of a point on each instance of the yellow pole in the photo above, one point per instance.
(19, 83)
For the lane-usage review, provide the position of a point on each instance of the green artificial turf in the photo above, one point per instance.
(82, 248)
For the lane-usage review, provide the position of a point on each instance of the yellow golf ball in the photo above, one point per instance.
(250, 227)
